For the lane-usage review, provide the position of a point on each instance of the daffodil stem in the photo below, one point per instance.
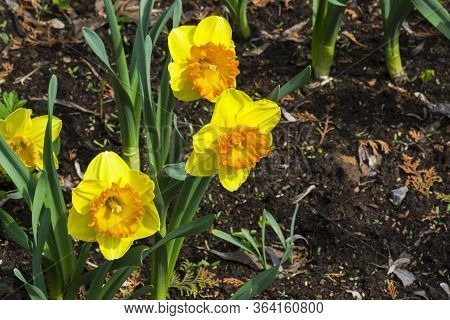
(394, 14)
(394, 60)
(131, 157)
(188, 202)
(244, 28)
(323, 59)
(158, 272)
(327, 23)
(55, 285)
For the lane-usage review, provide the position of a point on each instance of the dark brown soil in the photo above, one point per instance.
(351, 224)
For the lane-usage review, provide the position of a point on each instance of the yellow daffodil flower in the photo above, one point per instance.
(113, 206)
(235, 140)
(26, 136)
(204, 61)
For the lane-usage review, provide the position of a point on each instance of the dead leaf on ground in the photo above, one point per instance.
(289, 117)
(261, 3)
(293, 33)
(352, 38)
(370, 159)
(256, 51)
(241, 257)
(305, 116)
(397, 267)
(352, 13)
(421, 293)
(446, 288)
(355, 294)
(438, 108)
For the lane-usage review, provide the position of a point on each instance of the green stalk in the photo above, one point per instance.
(238, 14)
(394, 13)
(244, 28)
(393, 58)
(327, 22)
(55, 292)
(190, 196)
(164, 258)
(129, 118)
(118, 45)
(159, 272)
(130, 155)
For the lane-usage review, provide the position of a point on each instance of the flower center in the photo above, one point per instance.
(212, 68)
(26, 150)
(243, 147)
(117, 212)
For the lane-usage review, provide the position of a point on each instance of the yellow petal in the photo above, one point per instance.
(106, 166)
(228, 105)
(141, 183)
(113, 248)
(85, 192)
(232, 179)
(149, 224)
(213, 29)
(37, 130)
(202, 164)
(78, 226)
(40, 161)
(180, 42)
(3, 131)
(263, 114)
(207, 138)
(18, 122)
(181, 86)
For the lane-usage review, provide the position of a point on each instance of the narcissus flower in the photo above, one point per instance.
(204, 61)
(235, 140)
(113, 206)
(26, 135)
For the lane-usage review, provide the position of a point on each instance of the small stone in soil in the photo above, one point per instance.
(397, 195)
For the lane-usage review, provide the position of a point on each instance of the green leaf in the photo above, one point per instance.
(174, 12)
(4, 37)
(192, 228)
(140, 292)
(119, 51)
(133, 257)
(177, 143)
(62, 242)
(276, 227)
(114, 283)
(298, 81)
(185, 207)
(260, 282)
(164, 112)
(145, 11)
(252, 242)
(256, 285)
(34, 292)
(38, 250)
(338, 3)
(435, 13)
(176, 171)
(15, 231)
(15, 169)
(77, 278)
(94, 292)
(96, 44)
(233, 240)
(38, 201)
